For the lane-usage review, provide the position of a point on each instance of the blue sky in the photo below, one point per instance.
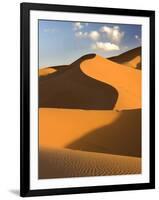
(62, 42)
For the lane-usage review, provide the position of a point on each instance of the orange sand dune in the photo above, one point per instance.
(130, 58)
(71, 88)
(90, 118)
(92, 82)
(95, 131)
(46, 71)
(125, 80)
(60, 163)
(60, 127)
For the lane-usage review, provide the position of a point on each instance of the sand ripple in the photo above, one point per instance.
(60, 163)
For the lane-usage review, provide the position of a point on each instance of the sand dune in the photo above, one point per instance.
(96, 131)
(90, 117)
(130, 58)
(46, 71)
(73, 89)
(125, 80)
(60, 163)
(121, 137)
(92, 82)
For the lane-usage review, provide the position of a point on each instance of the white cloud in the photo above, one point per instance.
(81, 34)
(137, 37)
(77, 26)
(113, 33)
(94, 35)
(105, 46)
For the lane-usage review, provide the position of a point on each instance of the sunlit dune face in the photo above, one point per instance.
(126, 80)
(46, 71)
(59, 127)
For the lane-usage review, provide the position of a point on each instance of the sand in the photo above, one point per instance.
(90, 117)
(59, 163)
(94, 131)
(126, 80)
(46, 71)
(73, 89)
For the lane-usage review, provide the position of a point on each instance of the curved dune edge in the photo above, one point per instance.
(131, 58)
(126, 80)
(134, 63)
(71, 88)
(62, 163)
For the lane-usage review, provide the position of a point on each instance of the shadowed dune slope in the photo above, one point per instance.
(71, 88)
(60, 163)
(94, 131)
(130, 58)
(126, 80)
(122, 137)
(60, 127)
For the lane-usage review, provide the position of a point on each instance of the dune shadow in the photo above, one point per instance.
(71, 88)
(128, 56)
(138, 66)
(122, 137)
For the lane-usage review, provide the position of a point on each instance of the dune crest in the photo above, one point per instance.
(131, 58)
(71, 88)
(126, 80)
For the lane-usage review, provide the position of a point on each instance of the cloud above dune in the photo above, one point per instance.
(94, 35)
(105, 46)
(81, 34)
(105, 38)
(113, 33)
(77, 26)
(137, 37)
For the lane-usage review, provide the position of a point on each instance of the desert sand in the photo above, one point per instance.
(90, 117)
(59, 163)
(126, 80)
(94, 131)
(46, 71)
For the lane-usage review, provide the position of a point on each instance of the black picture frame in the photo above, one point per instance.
(25, 9)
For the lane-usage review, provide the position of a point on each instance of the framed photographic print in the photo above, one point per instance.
(87, 99)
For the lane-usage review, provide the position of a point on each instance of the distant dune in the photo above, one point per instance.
(60, 163)
(95, 131)
(130, 58)
(46, 71)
